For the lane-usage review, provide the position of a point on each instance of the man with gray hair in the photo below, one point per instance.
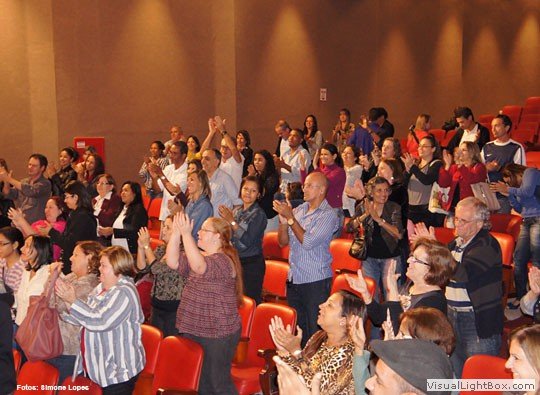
(475, 292)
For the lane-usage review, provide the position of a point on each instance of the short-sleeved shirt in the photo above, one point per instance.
(208, 307)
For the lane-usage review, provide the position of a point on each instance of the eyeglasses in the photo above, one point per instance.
(463, 221)
(414, 259)
(309, 186)
(207, 230)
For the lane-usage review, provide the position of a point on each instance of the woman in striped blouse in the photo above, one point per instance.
(111, 348)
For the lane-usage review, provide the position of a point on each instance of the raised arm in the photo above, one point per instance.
(212, 132)
(220, 126)
(183, 225)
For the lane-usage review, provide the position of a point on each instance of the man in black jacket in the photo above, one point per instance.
(474, 293)
(469, 130)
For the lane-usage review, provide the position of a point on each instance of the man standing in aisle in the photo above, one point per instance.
(308, 230)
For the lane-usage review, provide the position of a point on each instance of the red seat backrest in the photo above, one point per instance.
(506, 223)
(341, 283)
(179, 364)
(484, 367)
(339, 248)
(36, 374)
(507, 246)
(246, 311)
(275, 278)
(260, 334)
(444, 235)
(271, 248)
(151, 340)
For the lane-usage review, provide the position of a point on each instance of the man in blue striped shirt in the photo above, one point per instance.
(308, 231)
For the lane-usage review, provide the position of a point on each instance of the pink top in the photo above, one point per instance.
(208, 307)
(59, 226)
(336, 183)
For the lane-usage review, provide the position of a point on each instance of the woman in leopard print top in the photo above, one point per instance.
(329, 351)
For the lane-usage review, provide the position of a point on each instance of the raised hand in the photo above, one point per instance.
(226, 213)
(357, 333)
(391, 281)
(420, 230)
(182, 224)
(448, 159)
(359, 285)
(388, 328)
(283, 337)
(303, 161)
(408, 160)
(251, 170)
(220, 123)
(144, 237)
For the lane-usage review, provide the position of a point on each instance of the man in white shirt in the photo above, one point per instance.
(224, 190)
(292, 160)
(282, 130)
(173, 179)
(469, 130)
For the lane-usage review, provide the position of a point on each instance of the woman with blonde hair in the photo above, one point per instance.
(524, 360)
(208, 311)
(417, 132)
(460, 177)
(111, 347)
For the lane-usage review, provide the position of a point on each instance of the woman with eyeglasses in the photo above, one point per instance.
(208, 311)
(430, 267)
(107, 204)
(80, 226)
(420, 175)
(55, 214)
(132, 217)
(417, 132)
(11, 263)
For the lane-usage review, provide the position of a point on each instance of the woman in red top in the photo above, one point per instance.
(208, 311)
(460, 177)
(417, 133)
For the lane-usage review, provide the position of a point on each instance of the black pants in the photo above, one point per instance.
(253, 269)
(216, 371)
(125, 388)
(306, 298)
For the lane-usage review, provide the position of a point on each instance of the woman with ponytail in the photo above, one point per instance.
(208, 311)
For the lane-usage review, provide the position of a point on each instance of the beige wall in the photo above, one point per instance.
(128, 69)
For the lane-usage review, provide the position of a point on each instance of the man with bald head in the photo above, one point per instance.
(308, 231)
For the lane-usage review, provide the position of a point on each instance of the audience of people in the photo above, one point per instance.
(217, 203)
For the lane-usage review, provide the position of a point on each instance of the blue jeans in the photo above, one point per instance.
(341, 218)
(377, 269)
(467, 341)
(306, 298)
(527, 249)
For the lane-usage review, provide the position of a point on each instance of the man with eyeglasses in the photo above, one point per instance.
(31, 193)
(474, 293)
(308, 231)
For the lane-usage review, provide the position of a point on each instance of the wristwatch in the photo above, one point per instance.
(290, 221)
(162, 178)
(233, 223)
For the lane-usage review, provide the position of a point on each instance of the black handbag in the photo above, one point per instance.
(358, 248)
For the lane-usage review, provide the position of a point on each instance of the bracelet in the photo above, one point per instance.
(146, 247)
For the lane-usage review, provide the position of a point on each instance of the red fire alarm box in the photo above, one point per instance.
(82, 143)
